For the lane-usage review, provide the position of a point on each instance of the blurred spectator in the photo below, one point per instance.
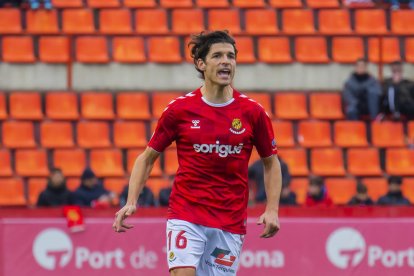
(35, 4)
(164, 194)
(361, 93)
(287, 196)
(317, 193)
(56, 192)
(146, 198)
(91, 192)
(398, 94)
(14, 3)
(361, 197)
(395, 4)
(394, 195)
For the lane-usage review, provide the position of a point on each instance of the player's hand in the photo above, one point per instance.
(271, 221)
(119, 224)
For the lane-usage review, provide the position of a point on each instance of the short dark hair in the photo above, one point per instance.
(361, 188)
(364, 60)
(395, 179)
(56, 170)
(396, 63)
(201, 43)
(317, 181)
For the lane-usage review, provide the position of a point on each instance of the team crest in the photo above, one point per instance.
(171, 256)
(237, 126)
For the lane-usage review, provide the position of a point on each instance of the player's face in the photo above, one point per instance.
(220, 64)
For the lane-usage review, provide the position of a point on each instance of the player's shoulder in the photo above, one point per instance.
(181, 101)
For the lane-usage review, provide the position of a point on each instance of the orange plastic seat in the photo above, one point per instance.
(274, 50)
(410, 129)
(327, 162)
(140, 3)
(347, 49)
(286, 3)
(3, 110)
(370, 21)
(18, 134)
(164, 49)
(93, 134)
(390, 49)
(130, 134)
(12, 192)
(254, 157)
(127, 104)
(56, 135)
(326, 106)
(399, 161)
(314, 134)
(249, 3)
(212, 3)
(92, 49)
(42, 22)
(54, 49)
(263, 99)
(67, 3)
(35, 187)
(376, 187)
(300, 187)
(176, 3)
(115, 21)
(291, 106)
(103, 3)
(350, 134)
(401, 22)
(182, 17)
(170, 162)
(97, 105)
(107, 162)
(283, 131)
(5, 163)
(298, 21)
(31, 162)
(296, 160)
(128, 49)
(408, 189)
(160, 101)
(73, 183)
(10, 21)
(409, 50)
(311, 50)
(341, 190)
(62, 106)
(156, 184)
(78, 21)
(261, 21)
(317, 4)
(387, 134)
(224, 19)
(245, 49)
(151, 21)
(364, 162)
(18, 49)
(115, 185)
(334, 21)
(25, 105)
(132, 155)
(72, 162)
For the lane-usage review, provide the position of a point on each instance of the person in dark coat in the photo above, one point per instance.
(361, 198)
(317, 193)
(56, 192)
(394, 195)
(146, 198)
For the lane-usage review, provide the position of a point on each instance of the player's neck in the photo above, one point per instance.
(216, 94)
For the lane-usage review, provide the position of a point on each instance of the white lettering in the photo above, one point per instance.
(275, 259)
(82, 254)
(390, 258)
(98, 260)
(374, 254)
(221, 150)
(140, 259)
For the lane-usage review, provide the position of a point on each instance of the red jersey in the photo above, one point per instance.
(214, 144)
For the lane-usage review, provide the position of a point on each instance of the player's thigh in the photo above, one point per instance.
(183, 272)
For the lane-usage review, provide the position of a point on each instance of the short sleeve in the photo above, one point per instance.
(165, 132)
(264, 139)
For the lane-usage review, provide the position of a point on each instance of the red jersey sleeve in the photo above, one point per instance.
(264, 139)
(165, 132)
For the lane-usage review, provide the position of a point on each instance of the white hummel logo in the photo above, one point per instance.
(195, 124)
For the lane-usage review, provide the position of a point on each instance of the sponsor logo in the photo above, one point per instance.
(195, 124)
(223, 257)
(221, 150)
(236, 127)
(274, 144)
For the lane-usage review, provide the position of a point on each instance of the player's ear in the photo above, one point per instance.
(201, 65)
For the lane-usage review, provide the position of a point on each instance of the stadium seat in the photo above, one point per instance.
(401, 22)
(18, 49)
(72, 162)
(151, 21)
(73, 183)
(115, 185)
(399, 161)
(92, 49)
(132, 155)
(409, 50)
(410, 128)
(298, 21)
(176, 3)
(290, 106)
(130, 134)
(127, 102)
(212, 3)
(18, 134)
(78, 21)
(164, 49)
(245, 47)
(300, 187)
(128, 49)
(254, 157)
(390, 49)
(67, 3)
(274, 50)
(182, 17)
(170, 161)
(224, 19)
(93, 134)
(286, 3)
(376, 187)
(35, 186)
(248, 3)
(42, 22)
(318, 4)
(5, 163)
(387, 134)
(10, 21)
(12, 192)
(296, 160)
(347, 49)
(54, 49)
(311, 50)
(31, 162)
(283, 131)
(350, 134)
(103, 3)
(334, 21)
(97, 105)
(160, 101)
(314, 134)
(25, 105)
(341, 190)
(364, 162)
(115, 21)
(327, 162)
(140, 3)
(3, 109)
(370, 21)
(261, 22)
(56, 134)
(156, 184)
(107, 162)
(263, 99)
(408, 189)
(326, 106)
(62, 105)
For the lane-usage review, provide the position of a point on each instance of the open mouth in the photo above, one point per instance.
(224, 73)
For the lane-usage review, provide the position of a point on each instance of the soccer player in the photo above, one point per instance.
(215, 128)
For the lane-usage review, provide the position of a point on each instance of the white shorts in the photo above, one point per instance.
(210, 251)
